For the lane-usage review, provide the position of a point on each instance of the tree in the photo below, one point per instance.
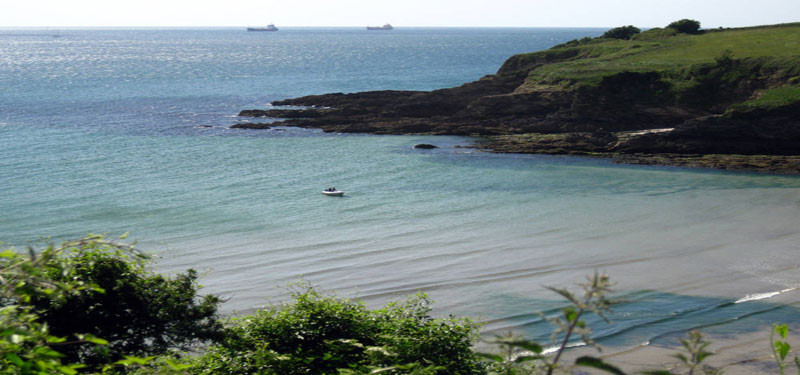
(622, 32)
(686, 26)
(108, 293)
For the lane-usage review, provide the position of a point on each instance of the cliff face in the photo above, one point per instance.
(762, 131)
(599, 96)
(489, 106)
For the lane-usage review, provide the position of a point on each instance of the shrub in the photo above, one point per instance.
(25, 345)
(686, 26)
(575, 42)
(623, 32)
(521, 357)
(319, 334)
(106, 291)
(655, 33)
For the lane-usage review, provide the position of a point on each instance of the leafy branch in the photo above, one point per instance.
(780, 348)
(517, 351)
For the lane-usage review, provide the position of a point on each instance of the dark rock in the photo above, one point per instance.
(774, 131)
(253, 113)
(425, 146)
(625, 113)
(339, 100)
(286, 113)
(245, 125)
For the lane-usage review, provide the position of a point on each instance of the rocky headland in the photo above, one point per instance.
(723, 99)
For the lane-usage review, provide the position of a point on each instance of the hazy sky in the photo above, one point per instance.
(517, 13)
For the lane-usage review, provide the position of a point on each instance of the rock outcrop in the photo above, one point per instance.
(691, 110)
(490, 106)
(425, 146)
(759, 131)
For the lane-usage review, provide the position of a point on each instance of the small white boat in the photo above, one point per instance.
(333, 193)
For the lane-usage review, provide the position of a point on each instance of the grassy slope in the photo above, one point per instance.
(777, 97)
(673, 56)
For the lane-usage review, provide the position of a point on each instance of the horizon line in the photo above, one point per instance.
(289, 26)
(2, 27)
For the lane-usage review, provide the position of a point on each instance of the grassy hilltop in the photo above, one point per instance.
(767, 53)
(672, 54)
(723, 98)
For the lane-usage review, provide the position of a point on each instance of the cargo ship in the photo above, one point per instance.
(269, 27)
(384, 27)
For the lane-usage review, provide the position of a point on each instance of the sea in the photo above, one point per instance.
(128, 130)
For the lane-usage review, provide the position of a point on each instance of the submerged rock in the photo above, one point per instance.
(245, 125)
(425, 146)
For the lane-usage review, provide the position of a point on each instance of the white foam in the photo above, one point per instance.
(554, 349)
(759, 296)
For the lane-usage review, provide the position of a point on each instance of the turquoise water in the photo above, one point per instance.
(106, 131)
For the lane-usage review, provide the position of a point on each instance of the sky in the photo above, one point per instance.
(405, 13)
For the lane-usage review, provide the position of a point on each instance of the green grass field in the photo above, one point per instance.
(776, 97)
(672, 55)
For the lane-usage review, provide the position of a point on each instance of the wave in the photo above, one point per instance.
(554, 349)
(760, 296)
(647, 317)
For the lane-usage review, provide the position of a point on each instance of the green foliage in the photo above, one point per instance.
(771, 98)
(26, 345)
(622, 32)
(670, 54)
(98, 287)
(594, 299)
(719, 81)
(780, 347)
(23, 278)
(655, 33)
(318, 334)
(686, 26)
(152, 365)
(575, 42)
(695, 347)
(519, 356)
(57, 303)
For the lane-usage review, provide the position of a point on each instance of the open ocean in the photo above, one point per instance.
(113, 131)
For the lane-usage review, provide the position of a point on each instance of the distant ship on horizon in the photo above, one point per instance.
(270, 27)
(384, 27)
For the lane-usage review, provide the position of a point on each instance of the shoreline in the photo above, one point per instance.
(743, 354)
(768, 164)
(761, 140)
(581, 144)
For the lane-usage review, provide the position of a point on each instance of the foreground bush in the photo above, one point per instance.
(622, 32)
(686, 26)
(319, 334)
(58, 301)
(99, 288)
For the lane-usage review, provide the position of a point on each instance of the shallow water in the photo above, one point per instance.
(104, 131)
